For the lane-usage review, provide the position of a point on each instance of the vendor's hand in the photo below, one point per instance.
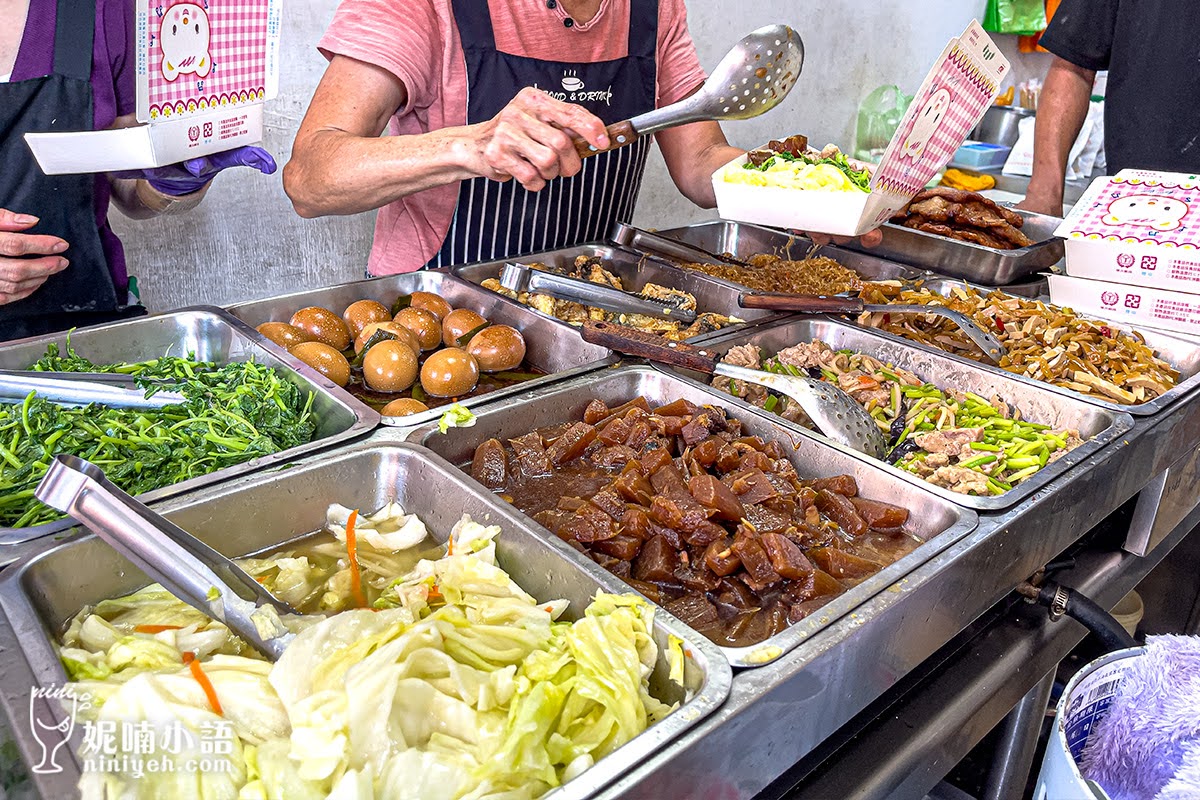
(869, 239)
(194, 174)
(1040, 203)
(531, 140)
(26, 259)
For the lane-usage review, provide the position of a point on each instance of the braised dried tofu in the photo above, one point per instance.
(712, 523)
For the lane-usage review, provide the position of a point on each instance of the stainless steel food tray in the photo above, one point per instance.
(1183, 355)
(545, 349)
(938, 521)
(635, 270)
(209, 334)
(1097, 426)
(974, 262)
(743, 240)
(264, 513)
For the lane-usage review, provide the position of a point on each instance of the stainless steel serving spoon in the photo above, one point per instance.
(750, 80)
(835, 413)
(185, 566)
(834, 304)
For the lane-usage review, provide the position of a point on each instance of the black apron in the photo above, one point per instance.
(496, 220)
(83, 293)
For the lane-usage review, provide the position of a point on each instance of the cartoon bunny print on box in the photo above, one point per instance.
(185, 36)
(927, 123)
(1147, 210)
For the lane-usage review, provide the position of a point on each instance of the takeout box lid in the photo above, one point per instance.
(202, 72)
(146, 146)
(952, 100)
(1138, 208)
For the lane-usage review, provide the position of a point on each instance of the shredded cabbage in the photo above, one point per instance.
(456, 684)
(806, 171)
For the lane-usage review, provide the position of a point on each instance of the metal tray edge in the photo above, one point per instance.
(783, 643)
(366, 419)
(1143, 410)
(1120, 423)
(15, 605)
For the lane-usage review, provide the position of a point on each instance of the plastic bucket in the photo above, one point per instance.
(1084, 702)
(1128, 612)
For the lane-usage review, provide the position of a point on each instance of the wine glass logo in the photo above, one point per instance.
(48, 731)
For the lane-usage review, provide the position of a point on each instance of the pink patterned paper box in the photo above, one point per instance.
(1139, 228)
(958, 90)
(1131, 306)
(204, 69)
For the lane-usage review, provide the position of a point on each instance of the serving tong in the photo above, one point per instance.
(838, 304)
(627, 235)
(81, 388)
(751, 79)
(185, 566)
(523, 278)
(836, 414)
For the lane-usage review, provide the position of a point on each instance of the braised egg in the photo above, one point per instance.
(390, 366)
(450, 372)
(458, 322)
(497, 348)
(362, 313)
(323, 325)
(422, 323)
(325, 360)
(401, 333)
(403, 407)
(431, 303)
(285, 335)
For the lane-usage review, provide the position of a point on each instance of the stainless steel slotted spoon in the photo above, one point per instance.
(750, 80)
(836, 414)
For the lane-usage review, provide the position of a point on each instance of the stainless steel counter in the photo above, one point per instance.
(779, 714)
(881, 700)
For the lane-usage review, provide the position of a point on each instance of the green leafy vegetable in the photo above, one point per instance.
(233, 413)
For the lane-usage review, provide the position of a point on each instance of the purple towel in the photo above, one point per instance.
(1186, 783)
(1152, 724)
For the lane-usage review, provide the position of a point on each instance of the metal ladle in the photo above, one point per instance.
(185, 566)
(833, 304)
(836, 414)
(751, 79)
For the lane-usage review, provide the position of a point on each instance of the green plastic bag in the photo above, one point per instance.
(1022, 17)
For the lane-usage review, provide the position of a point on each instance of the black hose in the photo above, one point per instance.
(1084, 611)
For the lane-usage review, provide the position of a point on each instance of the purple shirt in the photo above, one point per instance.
(113, 92)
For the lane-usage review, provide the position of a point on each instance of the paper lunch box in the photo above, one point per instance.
(1134, 306)
(1137, 227)
(950, 103)
(203, 70)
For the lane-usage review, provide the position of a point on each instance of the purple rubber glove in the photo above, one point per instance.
(192, 175)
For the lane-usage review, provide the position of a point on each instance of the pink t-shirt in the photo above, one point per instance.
(421, 47)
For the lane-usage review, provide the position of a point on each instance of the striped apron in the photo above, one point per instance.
(496, 220)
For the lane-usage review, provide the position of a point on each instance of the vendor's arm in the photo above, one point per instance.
(138, 200)
(341, 165)
(1062, 110)
(1081, 37)
(693, 153)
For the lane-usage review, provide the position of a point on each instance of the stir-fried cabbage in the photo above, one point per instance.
(455, 683)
